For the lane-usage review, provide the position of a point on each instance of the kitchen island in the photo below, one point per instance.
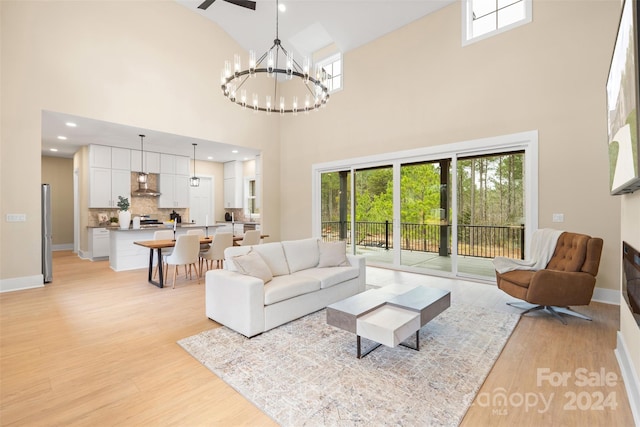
(125, 255)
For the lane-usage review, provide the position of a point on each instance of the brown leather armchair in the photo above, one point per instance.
(568, 279)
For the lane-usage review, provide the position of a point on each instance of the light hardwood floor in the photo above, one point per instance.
(97, 347)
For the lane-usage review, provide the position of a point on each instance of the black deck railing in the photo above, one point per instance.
(483, 241)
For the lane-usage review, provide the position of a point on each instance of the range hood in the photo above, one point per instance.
(143, 178)
(143, 190)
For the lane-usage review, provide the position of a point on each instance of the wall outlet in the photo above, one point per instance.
(557, 217)
(16, 217)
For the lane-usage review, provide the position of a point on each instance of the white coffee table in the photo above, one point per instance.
(388, 315)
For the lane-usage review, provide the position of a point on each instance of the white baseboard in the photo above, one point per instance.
(63, 247)
(84, 254)
(630, 377)
(20, 283)
(607, 296)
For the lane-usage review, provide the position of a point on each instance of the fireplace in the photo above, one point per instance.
(631, 279)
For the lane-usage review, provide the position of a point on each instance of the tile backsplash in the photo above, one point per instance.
(140, 205)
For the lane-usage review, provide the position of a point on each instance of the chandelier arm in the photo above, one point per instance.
(242, 82)
(264, 55)
(296, 66)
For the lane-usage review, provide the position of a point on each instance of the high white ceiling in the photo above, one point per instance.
(305, 27)
(308, 25)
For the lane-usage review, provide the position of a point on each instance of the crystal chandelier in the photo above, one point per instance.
(310, 92)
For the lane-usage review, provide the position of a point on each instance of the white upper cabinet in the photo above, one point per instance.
(101, 156)
(109, 175)
(174, 181)
(168, 163)
(151, 161)
(105, 185)
(182, 165)
(174, 191)
(176, 165)
(233, 177)
(121, 158)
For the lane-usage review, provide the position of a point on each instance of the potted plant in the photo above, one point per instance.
(124, 216)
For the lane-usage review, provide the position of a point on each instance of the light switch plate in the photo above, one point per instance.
(558, 217)
(16, 217)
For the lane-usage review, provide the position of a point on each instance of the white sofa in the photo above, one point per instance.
(307, 275)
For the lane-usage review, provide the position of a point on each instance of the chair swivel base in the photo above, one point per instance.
(553, 310)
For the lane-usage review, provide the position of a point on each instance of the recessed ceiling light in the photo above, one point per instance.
(282, 7)
(210, 158)
(234, 151)
(62, 137)
(71, 124)
(53, 149)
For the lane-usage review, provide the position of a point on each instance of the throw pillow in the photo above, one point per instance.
(252, 264)
(333, 254)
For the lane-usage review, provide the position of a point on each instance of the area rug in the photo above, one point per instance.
(305, 373)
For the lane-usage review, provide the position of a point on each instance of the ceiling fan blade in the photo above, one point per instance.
(205, 4)
(244, 3)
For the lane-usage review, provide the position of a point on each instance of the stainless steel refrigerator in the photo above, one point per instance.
(47, 261)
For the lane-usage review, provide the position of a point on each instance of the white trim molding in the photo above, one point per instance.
(21, 283)
(629, 376)
(467, 23)
(606, 296)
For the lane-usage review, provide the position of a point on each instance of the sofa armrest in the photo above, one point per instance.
(561, 288)
(236, 301)
(360, 262)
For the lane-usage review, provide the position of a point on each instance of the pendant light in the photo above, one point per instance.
(194, 181)
(142, 177)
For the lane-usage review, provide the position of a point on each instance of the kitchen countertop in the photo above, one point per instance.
(238, 222)
(153, 227)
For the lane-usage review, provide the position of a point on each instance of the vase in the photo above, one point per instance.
(124, 218)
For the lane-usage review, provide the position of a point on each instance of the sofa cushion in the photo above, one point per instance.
(252, 264)
(273, 255)
(329, 276)
(230, 253)
(289, 286)
(301, 254)
(332, 254)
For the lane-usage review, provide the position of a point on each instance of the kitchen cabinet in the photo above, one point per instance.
(175, 165)
(229, 227)
(174, 191)
(121, 159)
(99, 243)
(174, 181)
(101, 156)
(105, 185)
(151, 161)
(233, 177)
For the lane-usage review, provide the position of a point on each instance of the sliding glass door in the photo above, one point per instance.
(491, 216)
(335, 206)
(425, 215)
(448, 214)
(373, 199)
